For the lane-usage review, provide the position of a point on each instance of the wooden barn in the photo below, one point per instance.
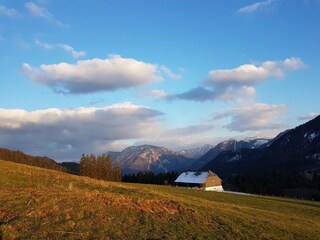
(208, 180)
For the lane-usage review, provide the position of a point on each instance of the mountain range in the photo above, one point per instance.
(158, 159)
(196, 152)
(150, 158)
(230, 145)
(287, 165)
(295, 150)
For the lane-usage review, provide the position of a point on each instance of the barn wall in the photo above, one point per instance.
(214, 188)
(212, 181)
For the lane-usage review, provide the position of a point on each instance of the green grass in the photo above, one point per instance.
(43, 204)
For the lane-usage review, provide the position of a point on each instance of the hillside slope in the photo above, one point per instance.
(43, 204)
(21, 157)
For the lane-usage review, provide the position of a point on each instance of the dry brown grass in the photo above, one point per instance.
(43, 204)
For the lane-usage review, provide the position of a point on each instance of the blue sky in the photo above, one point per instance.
(94, 76)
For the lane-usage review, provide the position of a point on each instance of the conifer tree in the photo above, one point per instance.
(83, 165)
(92, 168)
(100, 167)
(117, 172)
(108, 167)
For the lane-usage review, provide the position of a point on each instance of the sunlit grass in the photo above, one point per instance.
(42, 204)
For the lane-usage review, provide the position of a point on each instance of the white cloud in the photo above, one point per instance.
(250, 74)
(255, 6)
(247, 91)
(182, 137)
(67, 133)
(39, 11)
(65, 47)
(170, 74)
(231, 92)
(293, 63)
(94, 75)
(228, 84)
(69, 49)
(157, 94)
(190, 130)
(8, 12)
(244, 74)
(253, 117)
(64, 134)
(309, 116)
(44, 45)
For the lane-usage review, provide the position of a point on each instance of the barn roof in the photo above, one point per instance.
(192, 177)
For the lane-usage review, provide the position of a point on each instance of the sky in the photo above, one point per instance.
(92, 76)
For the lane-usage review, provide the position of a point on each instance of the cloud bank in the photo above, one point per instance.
(182, 137)
(226, 84)
(253, 117)
(64, 134)
(67, 133)
(94, 75)
(250, 74)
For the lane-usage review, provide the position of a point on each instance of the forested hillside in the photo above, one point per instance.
(20, 157)
(289, 166)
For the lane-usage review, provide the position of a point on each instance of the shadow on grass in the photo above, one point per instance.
(1, 236)
(5, 218)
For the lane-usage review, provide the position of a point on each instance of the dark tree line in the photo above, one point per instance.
(151, 178)
(72, 167)
(287, 184)
(100, 167)
(20, 157)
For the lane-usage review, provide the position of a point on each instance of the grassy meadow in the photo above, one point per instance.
(44, 204)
